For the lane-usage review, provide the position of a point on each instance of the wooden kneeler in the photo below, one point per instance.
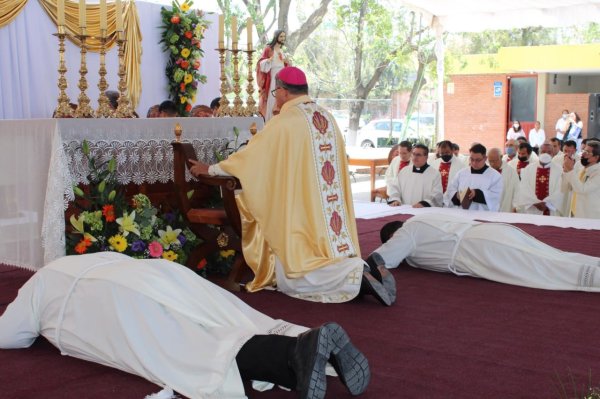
(218, 228)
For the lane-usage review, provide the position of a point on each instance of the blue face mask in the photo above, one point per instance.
(510, 151)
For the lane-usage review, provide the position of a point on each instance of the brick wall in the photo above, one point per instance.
(473, 114)
(555, 103)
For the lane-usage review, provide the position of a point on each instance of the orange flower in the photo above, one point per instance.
(188, 34)
(184, 65)
(182, 87)
(82, 246)
(109, 213)
(188, 107)
(201, 264)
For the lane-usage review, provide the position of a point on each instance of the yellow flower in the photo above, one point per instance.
(183, 99)
(118, 243)
(169, 255)
(127, 223)
(185, 7)
(77, 223)
(169, 236)
(194, 99)
(188, 78)
(227, 254)
(185, 52)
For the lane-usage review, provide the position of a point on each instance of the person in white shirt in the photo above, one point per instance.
(510, 180)
(540, 188)
(561, 125)
(537, 136)
(447, 164)
(515, 131)
(418, 185)
(584, 186)
(161, 321)
(493, 251)
(476, 188)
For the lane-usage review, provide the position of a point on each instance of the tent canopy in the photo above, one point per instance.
(479, 15)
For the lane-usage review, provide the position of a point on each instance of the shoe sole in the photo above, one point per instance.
(317, 385)
(388, 281)
(375, 288)
(351, 365)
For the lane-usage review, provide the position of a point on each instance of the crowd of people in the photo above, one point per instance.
(549, 178)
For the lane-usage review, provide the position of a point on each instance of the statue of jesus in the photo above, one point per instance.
(271, 61)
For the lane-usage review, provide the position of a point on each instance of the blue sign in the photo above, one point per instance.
(497, 89)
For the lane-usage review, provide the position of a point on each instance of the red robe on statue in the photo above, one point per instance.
(263, 80)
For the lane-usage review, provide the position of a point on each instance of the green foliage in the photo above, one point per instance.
(182, 34)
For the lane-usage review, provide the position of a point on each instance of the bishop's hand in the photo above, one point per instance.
(198, 168)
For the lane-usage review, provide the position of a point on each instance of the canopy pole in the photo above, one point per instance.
(440, 55)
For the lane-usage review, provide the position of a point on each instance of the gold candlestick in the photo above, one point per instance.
(224, 108)
(124, 109)
(104, 110)
(83, 107)
(238, 108)
(63, 110)
(250, 109)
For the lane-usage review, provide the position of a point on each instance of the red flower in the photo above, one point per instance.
(188, 107)
(188, 34)
(182, 86)
(184, 65)
(201, 264)
(336, 223)
(175, 19)
(328, 172)
(109, 213)
(196, 64)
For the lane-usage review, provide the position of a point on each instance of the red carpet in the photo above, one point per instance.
(446, 337)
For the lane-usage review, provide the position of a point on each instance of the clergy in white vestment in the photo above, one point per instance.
(510, 180)
(476, 188)
(399, 162)
(569, 149)
(540, 188)
(510, 151)
(584, 185)
(161, 321)
(524, 158)
(272, 60)
(556, 150)
(418, 185)
(299, 232)
(447, 164)
(493, 251)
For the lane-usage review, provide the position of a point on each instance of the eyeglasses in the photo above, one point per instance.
(473, 160)
(275, 91)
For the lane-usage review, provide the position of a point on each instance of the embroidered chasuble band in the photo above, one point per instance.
(542, 185)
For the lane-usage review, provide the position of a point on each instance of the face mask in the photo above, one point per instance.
(585, 161)
(565, 116)
(446, 158)
(523, 159)
(516, 127)
(545, 159)
(510, 151)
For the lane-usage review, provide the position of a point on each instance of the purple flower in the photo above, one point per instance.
(138, 246)
(182, 239)
(170, 217)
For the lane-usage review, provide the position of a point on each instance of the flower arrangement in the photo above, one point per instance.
(106, 222)
(183, 31)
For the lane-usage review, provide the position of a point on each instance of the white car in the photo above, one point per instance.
(382, 133)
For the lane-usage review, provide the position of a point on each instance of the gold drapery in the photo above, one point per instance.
(9, 9)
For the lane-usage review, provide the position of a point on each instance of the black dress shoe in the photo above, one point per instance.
(382, 274)
(350, 364)
(370, 285)
(313, 349)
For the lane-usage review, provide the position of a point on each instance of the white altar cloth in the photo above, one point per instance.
(40, 161)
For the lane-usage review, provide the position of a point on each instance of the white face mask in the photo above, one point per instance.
(545, 159)
(565, 116)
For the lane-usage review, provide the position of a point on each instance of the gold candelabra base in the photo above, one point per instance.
(63, 109)
(104, 109)
(124, 109)
(83, 101)
(224, 107)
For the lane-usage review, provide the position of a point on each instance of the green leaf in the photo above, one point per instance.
(190, 194)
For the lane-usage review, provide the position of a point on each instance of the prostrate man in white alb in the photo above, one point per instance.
(160, 321)
(478, 187)
(447, 164)
(584, 186)
(399, 162)
(540, 189)
(296, 202)
(510, 180)
(418, 185)
(493, 251)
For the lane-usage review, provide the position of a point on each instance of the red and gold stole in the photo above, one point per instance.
(542, 185)
(521, 165)
(445, 173)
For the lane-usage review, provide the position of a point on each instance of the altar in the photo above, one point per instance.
(41, 159)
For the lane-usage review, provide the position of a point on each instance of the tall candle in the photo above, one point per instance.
(221, 31)
(249, 33)
(119, 14)
(82, 18)
(60, 12)
(102, 15)
(234, 38)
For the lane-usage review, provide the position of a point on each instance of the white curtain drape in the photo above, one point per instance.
(29, 63)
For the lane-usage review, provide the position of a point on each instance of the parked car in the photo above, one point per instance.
(388, 132)
(343, 121)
